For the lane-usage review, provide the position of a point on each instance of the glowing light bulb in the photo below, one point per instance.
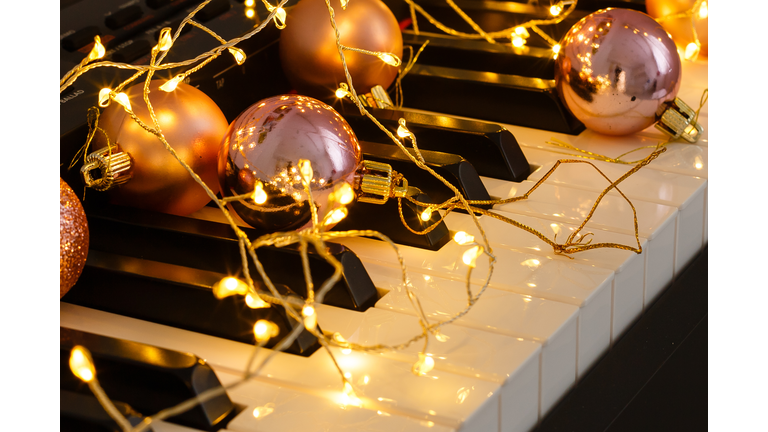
(265, 330)
(263, 411)
(310, 317)
(522, 32)
(470, 256)
(703, 10)
(104, 97)
(250, 13)
(423, 365)
(255, 302)
(556, 9)
(463, 238)
(123, 100)
(426, 214)
(389, 59)
(238, 54)
(81, 364)
(556, 48)
(229, 286)
(249, 3)
(348, 396)
(517, 41)
(98, 49)
(692, 51)
(403, 131)
(343, 194)
(171, 84)
(259, 196)
(344, 4)
(279, 18)
(342, 92)
(165, 40)
(305, 168)
(336, 216)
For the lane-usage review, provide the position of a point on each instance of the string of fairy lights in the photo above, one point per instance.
(305, 312)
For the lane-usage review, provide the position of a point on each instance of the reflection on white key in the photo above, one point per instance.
(271, 408)
(657, 223)
(628, 267)
(534, 275)
(553, 324)
(511, 362)
(440, 397)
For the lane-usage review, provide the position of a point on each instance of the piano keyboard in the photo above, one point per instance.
(544, 321)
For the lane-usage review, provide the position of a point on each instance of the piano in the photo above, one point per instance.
(548, 330)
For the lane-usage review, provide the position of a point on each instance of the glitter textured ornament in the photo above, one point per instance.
(261, 152)
(681, 28)
(616, 69)
(308, 50)
(191, 123)
(73, 238)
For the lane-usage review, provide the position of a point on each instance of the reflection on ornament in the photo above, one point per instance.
(73, 238)
(193, 126)
(262, 158)
(667, 12)
(616, 68)
(311, 60)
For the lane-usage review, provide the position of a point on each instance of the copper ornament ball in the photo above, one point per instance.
(193, 126)
(308, 50)
(73, 238)
(681, 28)
(615, 68)
(265, 144)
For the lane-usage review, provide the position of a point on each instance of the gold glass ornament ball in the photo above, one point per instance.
(73, 238)
(192, 124)
(309, 55)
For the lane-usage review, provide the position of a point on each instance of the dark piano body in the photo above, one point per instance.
(653, 375)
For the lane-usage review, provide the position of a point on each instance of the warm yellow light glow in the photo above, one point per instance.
(123, 100)
(423, 365)
(692, 51)
(104, 97)
(522, 32)
(305, 168)
(348, 396)
(98, 49)
(259, 196)
(336, 216)
(402, 130)
(463, 238)
(389, 59)
(426, 214)
(344, 4)
(265, 330)
(280, 18)
(517, 41)
(339, 339)
(703, 10)
(238, 54)
(556, 48)
(229, 286)
(556, 9)
(165, 39)
(310, 317)
(341, 92)
(263, 411)
(249, 3)
(343, 194)
(255, 302)
(171, 84)
(81, 364)
(250, 13)
(470, 256)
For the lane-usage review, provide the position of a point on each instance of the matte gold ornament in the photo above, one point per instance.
(681, 28)
(261, 159)
(73, 238)
(619, 72)
(140, 172)
(309, 55)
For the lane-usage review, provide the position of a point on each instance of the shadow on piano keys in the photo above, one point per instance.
(540, 328)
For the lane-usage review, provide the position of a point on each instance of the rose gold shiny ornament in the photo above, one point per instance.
(617, 68)
(308, 50)
(73, 238)
(263, 147)
(154, 180)
(681, 28)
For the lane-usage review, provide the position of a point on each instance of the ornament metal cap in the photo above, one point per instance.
(676, 118)
(377, 183)
(114, 168)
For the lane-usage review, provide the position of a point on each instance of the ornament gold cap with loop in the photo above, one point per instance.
(114, 167)
(677, 119)
(376, 182)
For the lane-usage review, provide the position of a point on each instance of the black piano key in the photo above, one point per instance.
(123, 17)
(148, 378)
(491, 149)
(451, 167)
(83, 413)
(213, 246)
(385, 218)
(180, 297)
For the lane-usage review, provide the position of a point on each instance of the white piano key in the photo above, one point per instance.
(629, 268)
(568, 282)
(441, 397)
(271, 408)
(553, 324)
(686, 193)
(511, 362)
(657, 223)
